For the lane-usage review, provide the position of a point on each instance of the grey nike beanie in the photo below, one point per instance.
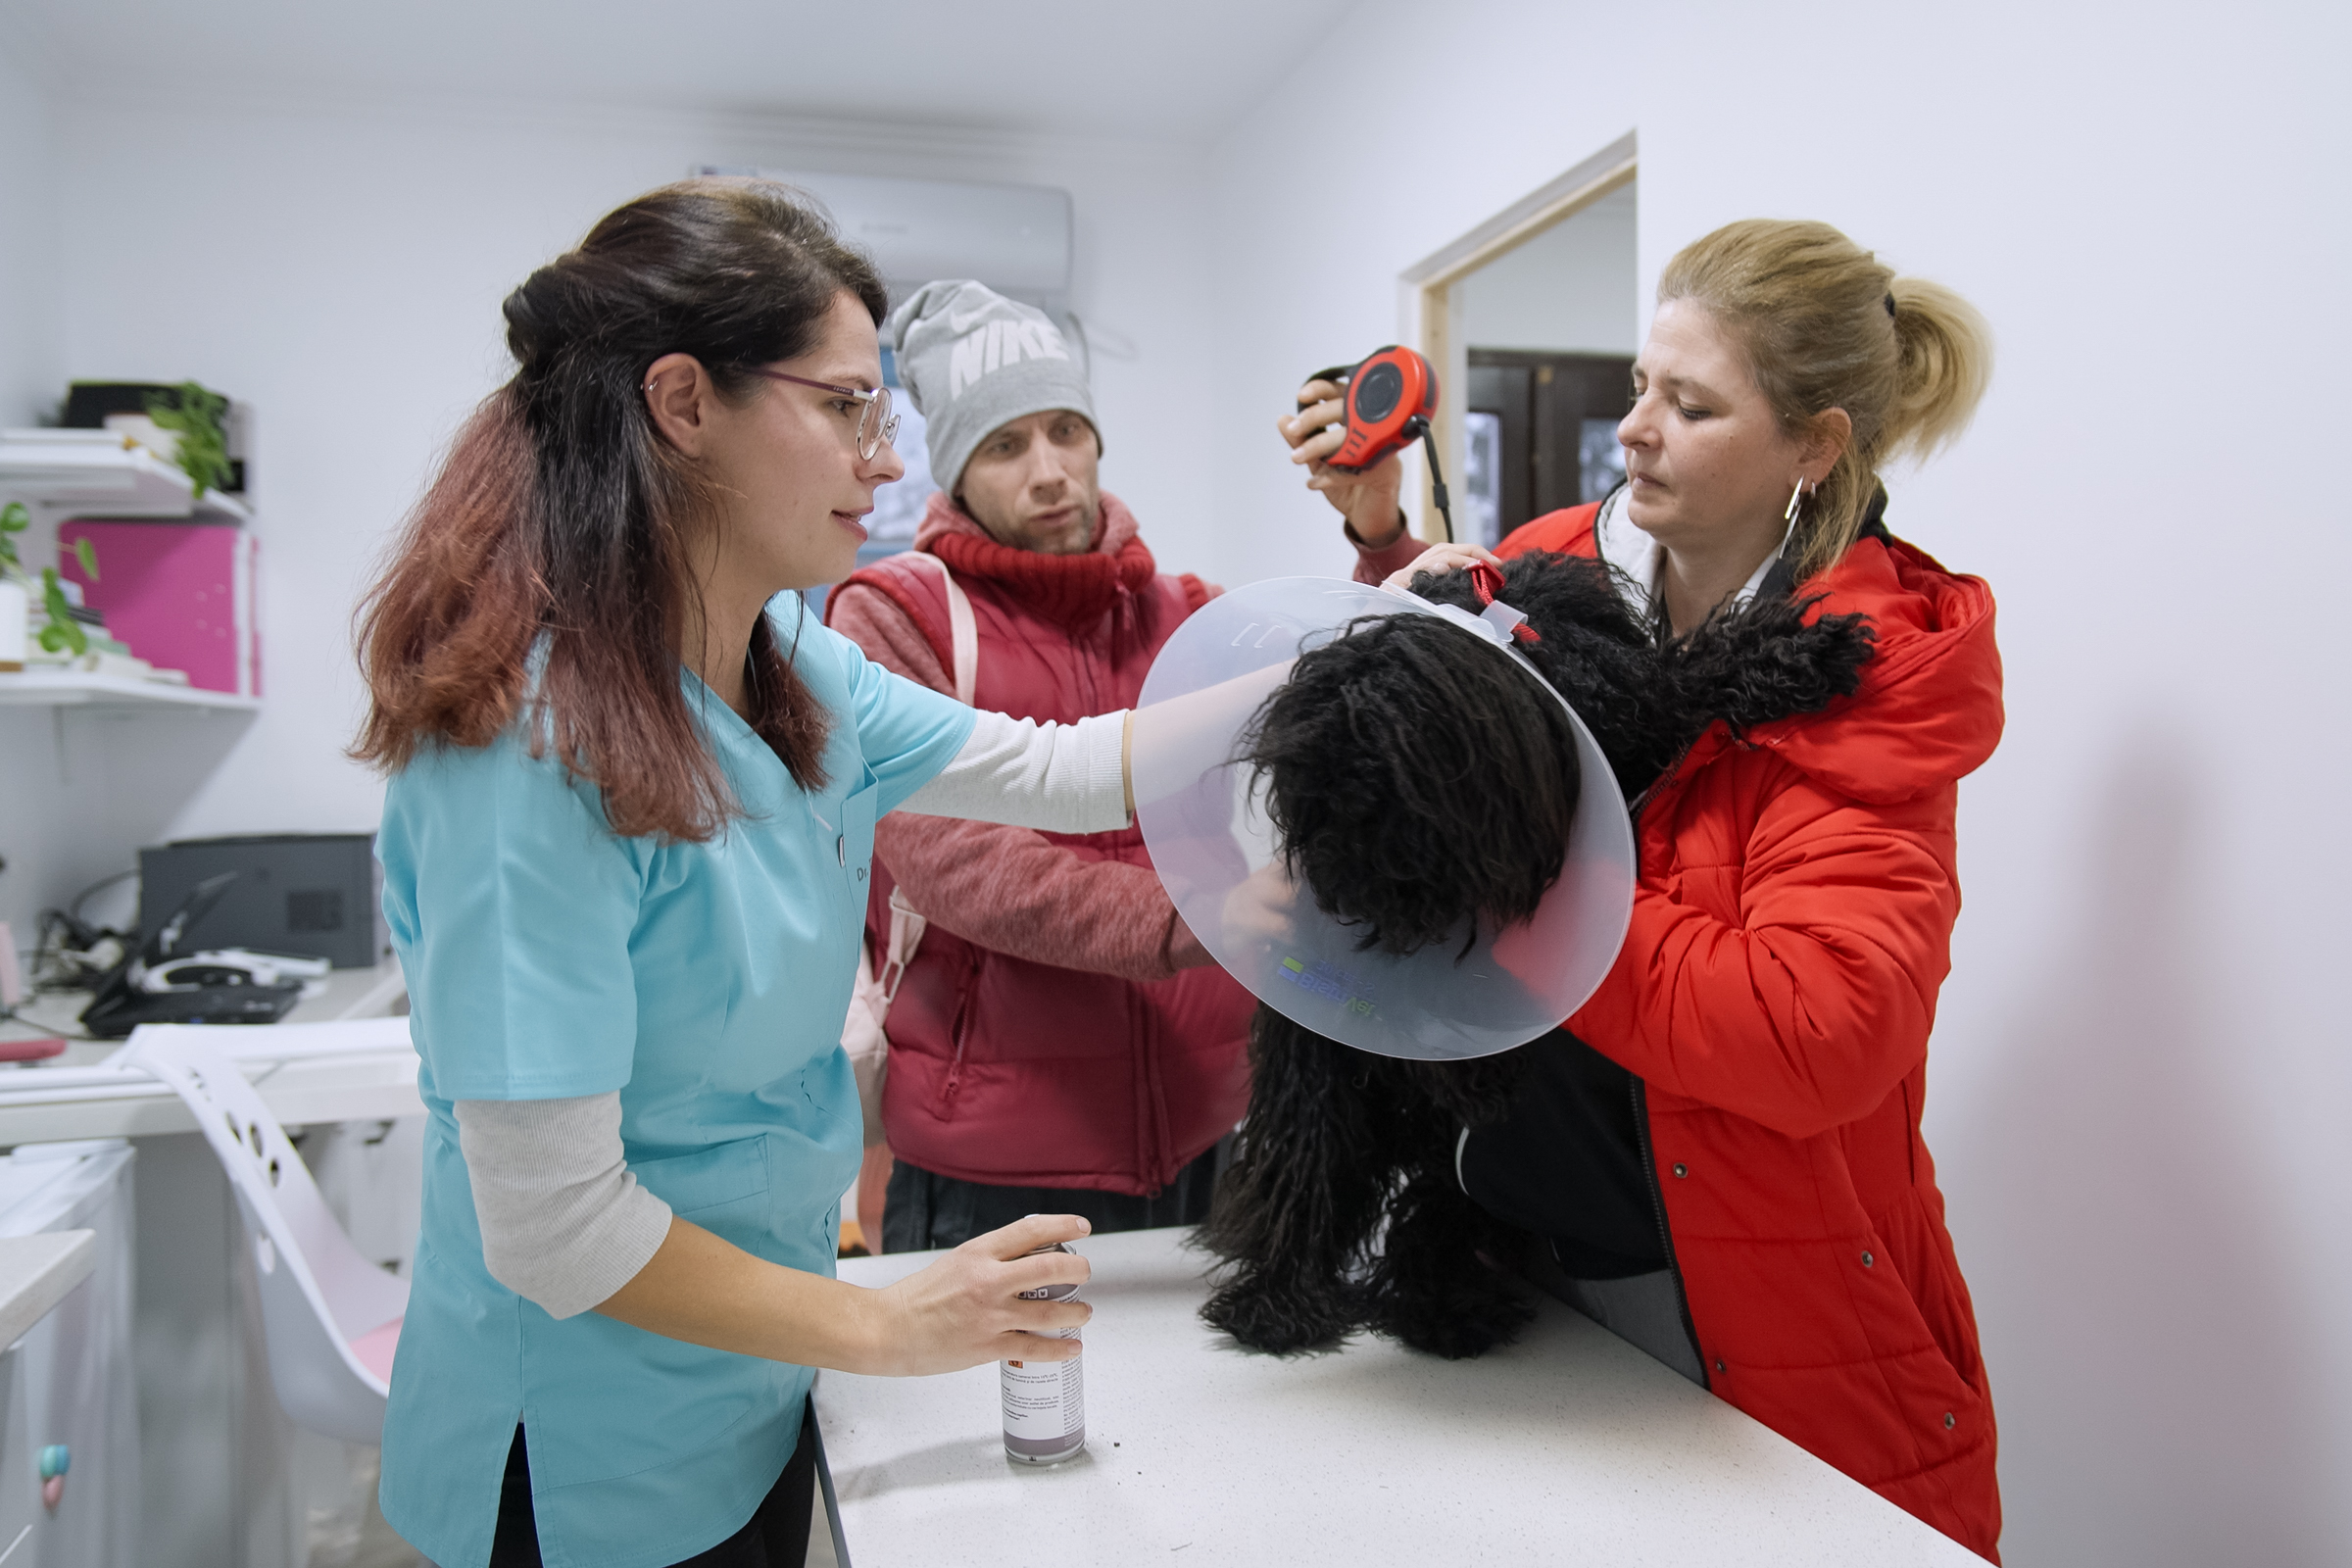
(973, 360)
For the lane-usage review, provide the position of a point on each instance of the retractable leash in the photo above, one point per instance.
(1391, 396)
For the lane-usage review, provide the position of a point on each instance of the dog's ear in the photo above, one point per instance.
(1594, 652)
(1419, 782)
(1570, 599)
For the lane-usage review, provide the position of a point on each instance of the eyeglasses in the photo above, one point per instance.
(876, 425)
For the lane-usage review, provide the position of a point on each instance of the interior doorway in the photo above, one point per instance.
(1540, 433)
(1530, 321)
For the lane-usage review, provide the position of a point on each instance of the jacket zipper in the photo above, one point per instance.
(964, 1035)
(947, 1095)
(1640, 1095)
(1669, 777)
(1152, 1147)
(1657, 1202)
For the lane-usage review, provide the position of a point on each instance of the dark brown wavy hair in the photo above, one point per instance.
(543, 579)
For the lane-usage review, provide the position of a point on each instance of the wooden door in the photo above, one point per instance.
(1557, 416)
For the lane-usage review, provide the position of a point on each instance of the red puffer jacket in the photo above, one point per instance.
(1791, 930)
(1105, 1057)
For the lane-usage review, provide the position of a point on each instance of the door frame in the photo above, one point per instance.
(1431, 310)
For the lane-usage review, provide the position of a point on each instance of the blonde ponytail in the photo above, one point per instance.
(1827, 326)
(1947, 361)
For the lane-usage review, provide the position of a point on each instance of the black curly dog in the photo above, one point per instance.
(1421, 784)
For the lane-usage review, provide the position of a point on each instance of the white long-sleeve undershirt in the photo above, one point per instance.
(563, 1222)
(1057, 779)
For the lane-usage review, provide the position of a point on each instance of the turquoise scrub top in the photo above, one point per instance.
(548, 957)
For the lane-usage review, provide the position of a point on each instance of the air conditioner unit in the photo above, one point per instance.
(1014, 238)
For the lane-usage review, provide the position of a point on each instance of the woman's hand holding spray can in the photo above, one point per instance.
(1045, 1401)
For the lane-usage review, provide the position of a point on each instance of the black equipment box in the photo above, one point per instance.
(88, 403)
(311, 893)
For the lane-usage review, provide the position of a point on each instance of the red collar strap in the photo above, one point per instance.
(1487, 581)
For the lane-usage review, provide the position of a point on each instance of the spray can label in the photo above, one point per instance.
(1045, 1401)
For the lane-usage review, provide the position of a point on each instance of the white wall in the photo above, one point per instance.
(339, 265)
(28, 369)
(2141, 1078)
(1572, 289)
(28, 346)
(1309, 257)
(42, 817)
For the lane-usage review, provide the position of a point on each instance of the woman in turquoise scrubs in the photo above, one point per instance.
(626, 847)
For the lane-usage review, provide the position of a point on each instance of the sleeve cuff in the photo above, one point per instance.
(1404, 531)
(1101, 787)
(563, 1222)
(1375, 566)
(609, 1255)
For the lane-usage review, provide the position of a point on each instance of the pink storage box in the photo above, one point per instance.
(180, 595)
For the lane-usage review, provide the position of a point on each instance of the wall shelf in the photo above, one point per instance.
(98, 473)
(113, 694)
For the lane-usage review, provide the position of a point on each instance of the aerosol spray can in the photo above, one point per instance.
(1045, 1401)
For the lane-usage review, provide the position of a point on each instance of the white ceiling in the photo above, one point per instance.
(1120, 68)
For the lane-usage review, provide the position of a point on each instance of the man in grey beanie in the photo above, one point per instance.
(981, 368)
(1060, 1042)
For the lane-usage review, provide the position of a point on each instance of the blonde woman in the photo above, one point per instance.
(1727, 1167)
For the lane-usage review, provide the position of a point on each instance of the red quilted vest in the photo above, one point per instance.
(1017, 1073)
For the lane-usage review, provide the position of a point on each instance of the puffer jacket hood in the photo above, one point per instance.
(1929, 711)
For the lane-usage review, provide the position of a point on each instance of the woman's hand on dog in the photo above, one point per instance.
(1257, 911)
(1369, 501)
(1439, 560)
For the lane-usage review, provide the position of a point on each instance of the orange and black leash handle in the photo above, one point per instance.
(1391, 396)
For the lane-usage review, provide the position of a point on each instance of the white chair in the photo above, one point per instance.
(330, 1317)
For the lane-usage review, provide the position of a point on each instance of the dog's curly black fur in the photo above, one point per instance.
(1420, 785)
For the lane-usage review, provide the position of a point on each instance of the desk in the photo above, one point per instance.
(35, 1274)
(342, 994)
(224, 1477)
(1569, 1446)
(76, 1096)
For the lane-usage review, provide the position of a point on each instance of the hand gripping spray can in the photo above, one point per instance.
(1045, 1401)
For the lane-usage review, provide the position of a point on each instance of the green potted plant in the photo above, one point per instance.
(197, 416)
(62, 633)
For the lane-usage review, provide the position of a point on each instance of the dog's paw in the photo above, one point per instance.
(1283, 1322)
(1465, 1321)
